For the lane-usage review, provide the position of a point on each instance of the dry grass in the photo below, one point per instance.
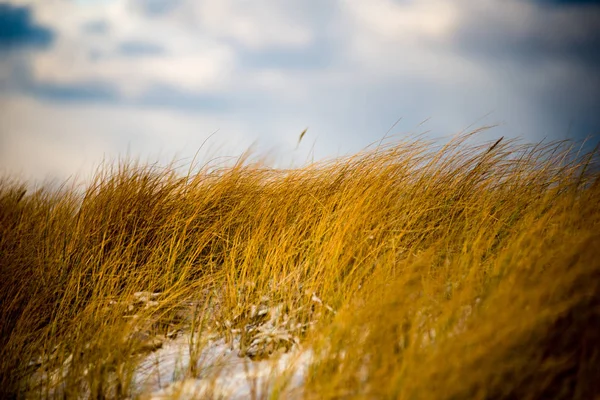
(414, 271)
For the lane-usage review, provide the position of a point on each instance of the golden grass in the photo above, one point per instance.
(445, 271)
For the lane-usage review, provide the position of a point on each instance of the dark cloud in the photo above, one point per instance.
(569, 2)
(74, 92)
(135, 48)
(550, 59)
(17, 29)
(543, 37)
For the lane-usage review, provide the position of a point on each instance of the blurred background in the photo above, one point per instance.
(83, 81)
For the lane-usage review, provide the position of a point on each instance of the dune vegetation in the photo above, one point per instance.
(413, 270)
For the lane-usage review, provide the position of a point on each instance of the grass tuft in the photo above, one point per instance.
(415, 270)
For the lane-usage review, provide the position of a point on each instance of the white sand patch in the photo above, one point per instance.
(219, 372)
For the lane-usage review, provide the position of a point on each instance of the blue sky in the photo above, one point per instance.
(87, 80)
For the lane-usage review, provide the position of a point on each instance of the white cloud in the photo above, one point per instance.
(190, 62)
(411, 40)
(197, 38)
(207, 70)
(256, 24)
(405, 21)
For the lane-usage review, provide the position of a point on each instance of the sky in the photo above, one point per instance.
(89, 81)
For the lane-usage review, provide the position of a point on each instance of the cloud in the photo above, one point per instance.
(103, 52)
(71, 92)
(95, 27)
(529, 33)
(318, 56)
(139, 48)
(154, 8)
(203, 70)
(405, 21)
(547, 56)
(569, 3)
(106, 44)
(18, 29)
(168, 97)
(259, 24)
